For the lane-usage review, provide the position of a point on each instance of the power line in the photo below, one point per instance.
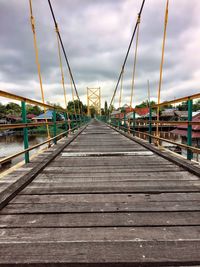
(63, 49)
(127, 53)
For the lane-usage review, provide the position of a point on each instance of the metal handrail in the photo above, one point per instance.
(194, 149)
(35, 146)
(31, 124)
(25, 125)
(178, 100)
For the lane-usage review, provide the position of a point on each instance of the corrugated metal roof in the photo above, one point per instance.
(184, 133)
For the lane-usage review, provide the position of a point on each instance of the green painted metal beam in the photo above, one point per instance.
(25, 131)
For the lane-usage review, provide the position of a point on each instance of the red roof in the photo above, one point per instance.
(142, 111)
(128, 109)
(30, 116)
(194, 127)
(119, 115)
(184, 133)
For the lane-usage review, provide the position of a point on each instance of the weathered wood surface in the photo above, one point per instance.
(107, 209)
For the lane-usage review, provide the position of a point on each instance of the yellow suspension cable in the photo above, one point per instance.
(121, 88)
(62, 76)
(135, 60)
(72, 89)
(37, 63)
(161, 67)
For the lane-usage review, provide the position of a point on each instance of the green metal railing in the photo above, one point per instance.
(149, 123)
(70, 125)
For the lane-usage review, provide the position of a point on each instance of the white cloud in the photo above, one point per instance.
(96, 36)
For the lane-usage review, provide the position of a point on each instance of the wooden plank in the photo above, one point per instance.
(166, 155)
(119, 219)
(93, 254)
(107, 198)
(104, 211)
(99, 234)
(97, 169)
(110, 187)
(100, 207)
(12, 190)
(133, 176)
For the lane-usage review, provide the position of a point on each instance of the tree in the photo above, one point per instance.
(78, 105)
(145, 104)
(196, 105)
(92, 111)
(2, 110)
(36, 110)
(13, 108)
(182, 106)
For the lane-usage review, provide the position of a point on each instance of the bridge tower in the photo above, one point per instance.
(94, 100)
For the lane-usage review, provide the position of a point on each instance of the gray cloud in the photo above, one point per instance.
(96, 35)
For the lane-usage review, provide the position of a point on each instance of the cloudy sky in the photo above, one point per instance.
(96, 35)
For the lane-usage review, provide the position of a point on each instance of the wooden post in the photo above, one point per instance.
(25, 131)
(189, 130)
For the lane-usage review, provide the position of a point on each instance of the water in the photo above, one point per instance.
(12, 144)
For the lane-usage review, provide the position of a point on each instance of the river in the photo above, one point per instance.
(12, 144)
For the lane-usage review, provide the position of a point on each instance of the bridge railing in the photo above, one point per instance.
(70, 124)
(145, 128)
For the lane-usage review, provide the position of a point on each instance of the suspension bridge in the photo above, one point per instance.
(103, 192)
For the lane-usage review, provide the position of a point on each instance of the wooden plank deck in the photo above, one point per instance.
(104, 200)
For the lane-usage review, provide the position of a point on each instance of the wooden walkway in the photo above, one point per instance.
(105, 200)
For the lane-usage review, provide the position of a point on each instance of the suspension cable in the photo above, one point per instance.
(38, 64)
(62, 77)
(161, 67)
(121, 89)
(63, 49)
(127, 53)
(61, 70)
(72, 90)
(134, 64)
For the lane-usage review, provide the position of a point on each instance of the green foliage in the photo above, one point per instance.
(36, 110)
(196, 105)
(145, 104)
(78, 104)
(2, 110)
(92, 111)
(13, 109)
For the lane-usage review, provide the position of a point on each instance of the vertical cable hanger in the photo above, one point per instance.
(121, 88)
(73, 98)
(62, 75)
(161, 69)
(38, 64)
(64, 52)
(135, 60)
(127, 53)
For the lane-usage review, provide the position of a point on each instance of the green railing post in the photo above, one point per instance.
(189, 130)
(125, 121)
(119, 124)
(133, 123)
(54, 126)
(25, 131)
(150, 124)
(72, 123)
(66, 124)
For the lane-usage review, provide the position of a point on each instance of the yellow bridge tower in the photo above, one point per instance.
(94, 100)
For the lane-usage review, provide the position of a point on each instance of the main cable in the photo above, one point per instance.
(127, 53)
(63, 48)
